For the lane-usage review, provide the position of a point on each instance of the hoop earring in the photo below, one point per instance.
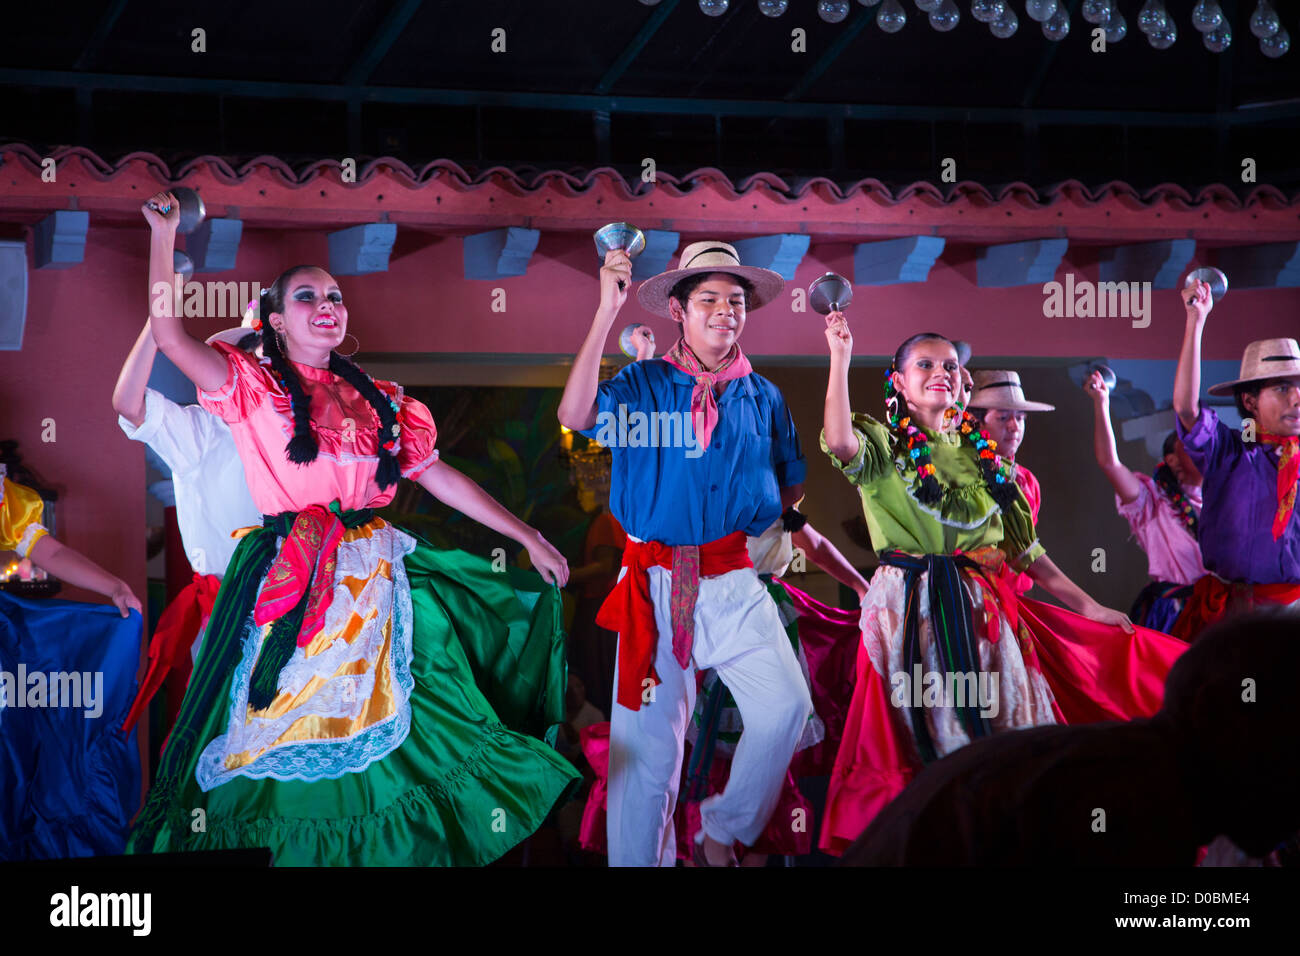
(348, 355)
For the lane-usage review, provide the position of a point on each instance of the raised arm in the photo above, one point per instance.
(838, 419)
(578, 404)
(58, 559)
(1103, 441)
(128, 393)
(1187, 380)
(826, 556)
(454, 489)
(202, 365)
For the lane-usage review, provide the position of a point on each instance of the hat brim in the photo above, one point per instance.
(1011, 405)
(1287, 370)
(653, 292)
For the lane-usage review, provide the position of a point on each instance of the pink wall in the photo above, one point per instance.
(81, 321)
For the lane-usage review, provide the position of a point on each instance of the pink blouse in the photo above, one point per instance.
(1172, 553)
(260, 416)
(1028, 483)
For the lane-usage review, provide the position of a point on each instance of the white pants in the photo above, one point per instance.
(738, 633)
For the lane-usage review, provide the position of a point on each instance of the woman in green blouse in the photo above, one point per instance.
(949, 652)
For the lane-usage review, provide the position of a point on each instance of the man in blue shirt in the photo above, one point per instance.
(704, 453)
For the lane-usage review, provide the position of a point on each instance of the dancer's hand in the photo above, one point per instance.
(548, 562)
(158, 220)
(125, 600)
(1106, 615)
(643, 340)
(1096, 388)
(618, 266)
(838, 336)
(1198, 302)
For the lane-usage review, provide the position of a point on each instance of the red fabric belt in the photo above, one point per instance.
(1213, 598)
(629, 610)
(174, 635)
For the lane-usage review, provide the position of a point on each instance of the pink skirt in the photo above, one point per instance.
(1054, 666)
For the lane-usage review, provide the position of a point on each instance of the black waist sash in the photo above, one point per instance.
(954, 635)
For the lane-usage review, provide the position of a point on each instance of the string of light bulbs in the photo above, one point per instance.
(1153, 20)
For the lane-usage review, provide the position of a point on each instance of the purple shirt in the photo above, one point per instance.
(1240, 501)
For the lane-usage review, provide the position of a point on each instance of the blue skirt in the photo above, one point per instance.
(69, 778)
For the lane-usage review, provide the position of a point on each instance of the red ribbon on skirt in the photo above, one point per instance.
(1214, 598)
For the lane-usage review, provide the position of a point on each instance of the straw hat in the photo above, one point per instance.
(1265, 359)
(233, 336)
(705, 257)
(1000, 389)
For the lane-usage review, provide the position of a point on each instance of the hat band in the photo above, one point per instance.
(1281, 358)
(705, 252)
(1000, 385)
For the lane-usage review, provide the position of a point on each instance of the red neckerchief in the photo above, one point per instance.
(1288, 470)
(704, 407)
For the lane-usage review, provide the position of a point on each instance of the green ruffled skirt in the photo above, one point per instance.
(472, 778)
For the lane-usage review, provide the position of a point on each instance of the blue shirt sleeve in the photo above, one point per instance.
(787, 454)
(625, 388)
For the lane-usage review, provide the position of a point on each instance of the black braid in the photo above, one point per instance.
(302, 448)
(389, 471)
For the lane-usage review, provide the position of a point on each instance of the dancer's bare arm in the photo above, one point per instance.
(1052, 579)
(1187, 380)
(826, 556)
(454, 489)
(838, 418)
(128, 393)
(578, 404)
(202, 365)
(1121, 479)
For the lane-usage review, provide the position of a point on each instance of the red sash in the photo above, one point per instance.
(173, 637)
(1213, 598)
(629, 610)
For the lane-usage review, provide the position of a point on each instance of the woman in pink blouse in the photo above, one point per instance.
(1162, 509)
(360, 697)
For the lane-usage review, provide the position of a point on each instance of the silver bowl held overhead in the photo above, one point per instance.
(829, 293)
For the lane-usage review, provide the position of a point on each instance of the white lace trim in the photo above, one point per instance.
(28, 539)
(1022, 554)
(964, 526)
(342, 696)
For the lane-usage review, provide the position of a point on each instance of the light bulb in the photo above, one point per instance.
(1096, 11)
(1206, 16)
(1164, 39)
(773, 8)
(713, 8)
(945, 17)
(1216, 41)
(868, 3)
(928, 6)
(1276, 45)
(1006, 25)
(833, 11)
(1040, 10)
(892, 17)
(986, 11)
(1152, 17)
(1116, 27)
(1058, 25)
(1264, 21)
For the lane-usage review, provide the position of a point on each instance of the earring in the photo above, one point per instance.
(355, 350)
